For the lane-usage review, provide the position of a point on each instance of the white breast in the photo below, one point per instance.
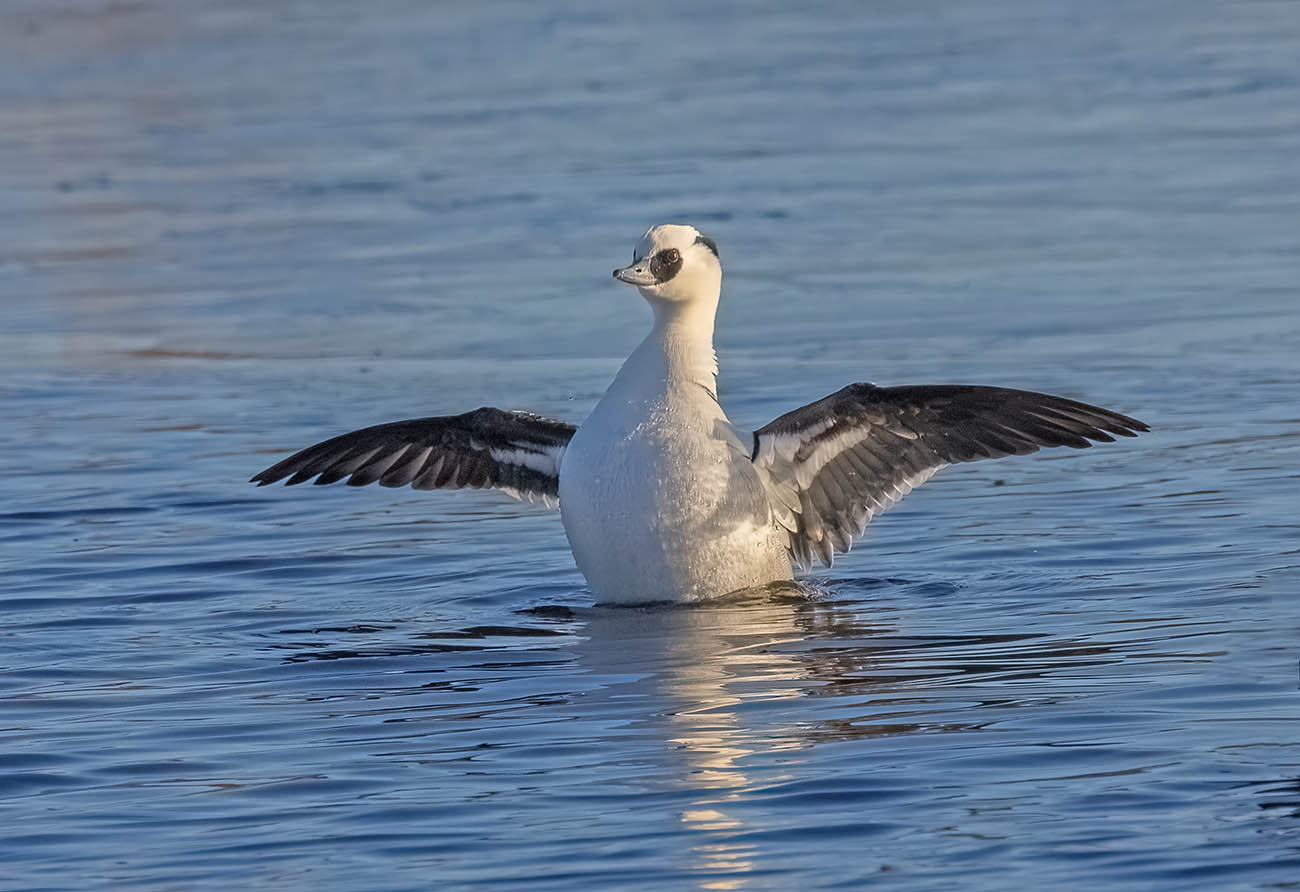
(660, 500)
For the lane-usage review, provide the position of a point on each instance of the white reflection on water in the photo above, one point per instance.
(730, 682)
(715, 670)
(713, 653)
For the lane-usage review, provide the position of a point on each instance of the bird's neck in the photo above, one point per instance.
(676, 354)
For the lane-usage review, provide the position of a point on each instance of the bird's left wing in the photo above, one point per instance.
(832, 465)
(516, 452)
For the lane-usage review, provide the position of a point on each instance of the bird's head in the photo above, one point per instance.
(674, 265)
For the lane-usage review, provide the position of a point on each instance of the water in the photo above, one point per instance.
(233, 229)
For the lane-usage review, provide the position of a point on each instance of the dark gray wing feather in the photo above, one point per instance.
(833, 464)
(513, 451)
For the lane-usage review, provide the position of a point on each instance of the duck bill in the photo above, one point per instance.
(636, 274)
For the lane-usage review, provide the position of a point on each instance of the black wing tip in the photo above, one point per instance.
(265, 478)
(1119, 425)
(278, 472)
(1104, 420)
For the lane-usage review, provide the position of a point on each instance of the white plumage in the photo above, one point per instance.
(657, 491)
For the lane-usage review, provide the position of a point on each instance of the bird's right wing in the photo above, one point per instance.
(833, 464)
(516, 452)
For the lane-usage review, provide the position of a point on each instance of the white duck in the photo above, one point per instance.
(661, 497)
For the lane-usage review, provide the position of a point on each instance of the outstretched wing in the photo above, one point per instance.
(516, 452)
(833, 464)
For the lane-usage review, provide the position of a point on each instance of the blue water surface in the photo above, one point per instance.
(233, 229)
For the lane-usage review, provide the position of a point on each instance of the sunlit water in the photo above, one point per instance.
(233, 229)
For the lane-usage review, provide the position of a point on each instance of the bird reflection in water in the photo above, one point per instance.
(717, 694)
(732, 679)
(720, 673)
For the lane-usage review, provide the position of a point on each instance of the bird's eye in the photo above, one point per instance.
(665, 264)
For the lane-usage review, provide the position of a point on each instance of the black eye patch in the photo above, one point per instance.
(665, 265)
